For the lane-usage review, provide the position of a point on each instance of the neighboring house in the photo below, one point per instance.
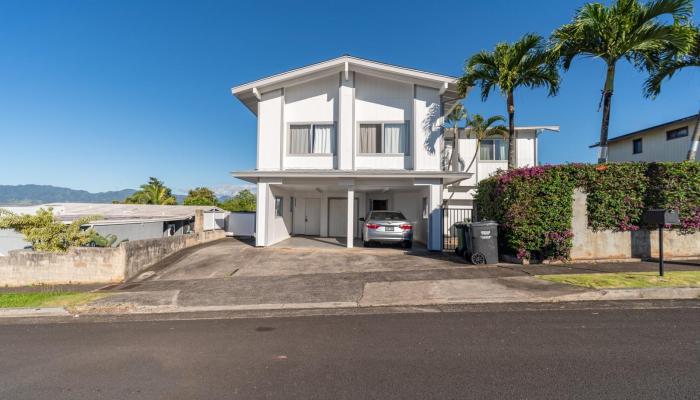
(350, 131)
(666, 142)
(125, 221)
(493, 156)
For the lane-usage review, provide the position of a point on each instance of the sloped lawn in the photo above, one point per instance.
(628, 279)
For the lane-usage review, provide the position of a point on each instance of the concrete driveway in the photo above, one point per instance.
(230, 274)
(296, 256)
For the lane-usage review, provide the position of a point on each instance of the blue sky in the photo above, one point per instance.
(100, 95)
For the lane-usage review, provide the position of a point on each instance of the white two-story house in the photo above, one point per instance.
(345, 136)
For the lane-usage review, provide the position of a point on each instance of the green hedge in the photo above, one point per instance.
(533, 206)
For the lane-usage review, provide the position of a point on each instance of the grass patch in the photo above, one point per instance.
(46, 299)
(628, 279)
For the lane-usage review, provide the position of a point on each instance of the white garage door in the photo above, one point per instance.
(338, 217)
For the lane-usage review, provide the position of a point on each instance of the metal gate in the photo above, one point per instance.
(450, 216)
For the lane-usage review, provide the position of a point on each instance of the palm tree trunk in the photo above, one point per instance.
(473, 158)
(511, 131)
(607, 97)
(695, 140)
(454, 157)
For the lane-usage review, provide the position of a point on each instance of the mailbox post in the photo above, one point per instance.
(661, 218)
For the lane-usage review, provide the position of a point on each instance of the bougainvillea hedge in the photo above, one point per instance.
(533, 206)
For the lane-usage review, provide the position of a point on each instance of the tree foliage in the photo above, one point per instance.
(669, 63)
(153, 192)
(525, 63)
(534, 206)
(47, 233)
(242, 201)
(201, 196)
(481, 128)
(627, 29)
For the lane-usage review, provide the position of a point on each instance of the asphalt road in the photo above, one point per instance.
(589, 354)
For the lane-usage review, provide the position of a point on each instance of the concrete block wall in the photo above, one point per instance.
(609, 245)
(78, 265)
(94, 265)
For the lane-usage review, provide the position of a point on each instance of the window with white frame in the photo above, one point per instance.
(312, 139)
(384, 138)
(495, 149)
(279, 206)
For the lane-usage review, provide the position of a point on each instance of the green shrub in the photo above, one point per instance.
(45, 232)
(677, 186)
(533, 206)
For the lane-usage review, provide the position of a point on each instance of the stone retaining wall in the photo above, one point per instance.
(94, 265)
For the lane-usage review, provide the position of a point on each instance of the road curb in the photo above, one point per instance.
(33, 312)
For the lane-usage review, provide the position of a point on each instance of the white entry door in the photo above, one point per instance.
(338, 218)
(307, 216)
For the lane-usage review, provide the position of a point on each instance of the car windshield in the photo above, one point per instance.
(387, 215)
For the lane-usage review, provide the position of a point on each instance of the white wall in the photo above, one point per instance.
(314, 101)
(360, 99)
(655, 147)
(279, 228)
(427, 141)
(382, 100)
(269, 130)
(409, 203)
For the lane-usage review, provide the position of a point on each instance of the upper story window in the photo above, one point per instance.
(312, 139)
(384, 138)
(677, 133)
(493, 150)
(637, 146)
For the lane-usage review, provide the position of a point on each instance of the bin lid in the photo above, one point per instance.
(485, 223)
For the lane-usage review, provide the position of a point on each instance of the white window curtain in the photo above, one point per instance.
(324, 139)
(501, 149)
(299, 136)
(369, 137)
(394, 138)
(493, 150)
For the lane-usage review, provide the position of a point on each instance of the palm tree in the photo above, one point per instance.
(154, 192)
(457, 114)
(669, 65)
(482, 128)
(626, 29)
(510, 66)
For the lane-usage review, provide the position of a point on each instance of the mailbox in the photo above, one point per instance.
(661, 216)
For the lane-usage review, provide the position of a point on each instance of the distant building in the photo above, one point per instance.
(669, 141)
(125, 221)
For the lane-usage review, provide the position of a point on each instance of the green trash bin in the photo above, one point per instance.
(461, 231)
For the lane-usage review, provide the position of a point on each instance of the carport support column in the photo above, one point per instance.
(351, 217)
(261, 214)
(435, 218)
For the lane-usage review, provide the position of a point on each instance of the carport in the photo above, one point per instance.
(316, 203)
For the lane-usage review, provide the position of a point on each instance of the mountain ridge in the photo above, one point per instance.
(32, 194)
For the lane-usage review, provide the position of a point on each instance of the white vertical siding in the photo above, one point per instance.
(655, 147)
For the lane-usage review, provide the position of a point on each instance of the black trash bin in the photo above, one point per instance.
(481, 239)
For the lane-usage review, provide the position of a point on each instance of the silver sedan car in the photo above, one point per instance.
(387, 227)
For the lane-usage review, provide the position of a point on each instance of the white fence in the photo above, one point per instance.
(240, 224)
(214, 220)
